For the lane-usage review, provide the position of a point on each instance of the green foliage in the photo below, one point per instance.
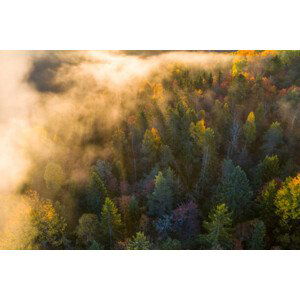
(200, 139)
(270, 168)
(234, 190)
(273, 139)
(95, 246)
(160, 202)
(250, 129)
(170, 244)
(257, 240)
(96, 192)
(88, 230)
(267, 203)
(151, 145)
(132, 216)
(139, 242)
(219, 229)
(111, 225)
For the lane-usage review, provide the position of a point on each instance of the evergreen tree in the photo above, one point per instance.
(266, 204)
(234, 190)
(219, 229)
(273, 139)
(96, 192)
(133, 216)
(160, 202)
(88, 230)
(170, 244)
(257, 240)
(111, 225)
(250, 129)
(139, 242)
(151, 145)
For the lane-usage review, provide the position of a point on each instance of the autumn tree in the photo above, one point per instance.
(287, 200)
(51, 227)
(151, 145)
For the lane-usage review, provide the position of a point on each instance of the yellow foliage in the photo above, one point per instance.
(268, 52)
(198, 92)
(158, 91)
(248, 52)
(156, 136)
(251, 117)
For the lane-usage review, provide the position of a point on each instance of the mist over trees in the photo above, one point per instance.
(193, 156)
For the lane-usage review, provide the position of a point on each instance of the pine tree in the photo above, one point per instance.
(139, 242)
(204, 139)
(273, 139)
(133, 216)
(250, 129)
(160, 202)
(234, 190)
(270, 168)
(111, 225)
(219, 228)
(151, 145)
(266, 204)
(96, 192)
(257, 240)
(88, 230)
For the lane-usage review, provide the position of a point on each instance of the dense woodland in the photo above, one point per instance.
(207, 159)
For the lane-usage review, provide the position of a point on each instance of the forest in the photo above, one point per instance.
(150, 150)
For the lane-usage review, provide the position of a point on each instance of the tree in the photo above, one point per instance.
(49, 224)
(96, 192)
(273, 139)
(270, 168)
(170, 244)
(234, 190)
(257, 240)
(205, 144)
(265, 171)
(95, 246)
(186, 221)
(287, 200)
(160, 202)
(88, 230)
(111, 225)
(266, 203)
(139, 242)
(219, 228)
(250, 129)
(151, 145)
(129, 208)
